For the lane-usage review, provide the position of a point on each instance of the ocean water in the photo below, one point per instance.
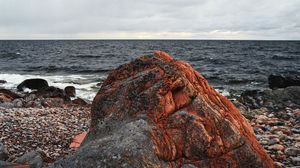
(229, 66)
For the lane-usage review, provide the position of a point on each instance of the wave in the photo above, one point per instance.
(86, 85)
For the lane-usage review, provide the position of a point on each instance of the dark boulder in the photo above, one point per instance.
(52, 92)
(283, 81)
(272, 99)
(2, 81)
(70, 91)
(36, 84)
(159, 112)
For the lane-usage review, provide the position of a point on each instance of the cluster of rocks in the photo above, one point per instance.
(275, 117)
(153, 112)
(40, 95)
(37, 128)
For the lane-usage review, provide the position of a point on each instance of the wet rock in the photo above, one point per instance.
(33, 159)
(281, 81)
(272, 99)
(2, 81)
(34, 84)
(70, 91)
(160, 112)
(52, 92)
(3, 152)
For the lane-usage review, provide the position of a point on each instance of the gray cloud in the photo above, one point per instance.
(195, 19)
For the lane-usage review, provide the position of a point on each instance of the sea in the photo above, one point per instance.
(229, 66)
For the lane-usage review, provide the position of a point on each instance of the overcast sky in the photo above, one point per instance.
(150, 19)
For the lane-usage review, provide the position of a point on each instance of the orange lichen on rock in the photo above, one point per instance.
(191, 122)
(78, 139)
(157, 111)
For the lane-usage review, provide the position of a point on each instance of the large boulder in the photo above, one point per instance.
(159, 112)
(283, 81)
(35, 84)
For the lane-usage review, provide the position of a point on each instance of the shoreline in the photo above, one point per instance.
(49, 128)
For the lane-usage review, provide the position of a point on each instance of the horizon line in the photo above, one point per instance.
(138, 39)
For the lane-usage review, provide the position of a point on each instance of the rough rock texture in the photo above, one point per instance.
(160, 112)
(33, 84)
(34, 159)
(283, 81)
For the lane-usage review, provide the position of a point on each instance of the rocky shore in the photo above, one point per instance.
(37, 128)
(158, 96)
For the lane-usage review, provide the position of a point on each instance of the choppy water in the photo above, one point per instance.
(230, 66)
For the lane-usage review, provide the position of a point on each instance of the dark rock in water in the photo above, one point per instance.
(52, 92)
(3, 152)
(79, 101)
(36, 84)
(272, 99)
(159, 112)
(70, 91)
(33, 159)
(281, 81)
(2, 81)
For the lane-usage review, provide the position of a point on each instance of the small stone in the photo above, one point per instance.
(292, 151)
(2, 81)
(276, 147)
(296, 160)
(278, 164)
(274, 141)
(295, 130)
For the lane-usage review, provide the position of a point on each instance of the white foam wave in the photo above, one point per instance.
(86, 85)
